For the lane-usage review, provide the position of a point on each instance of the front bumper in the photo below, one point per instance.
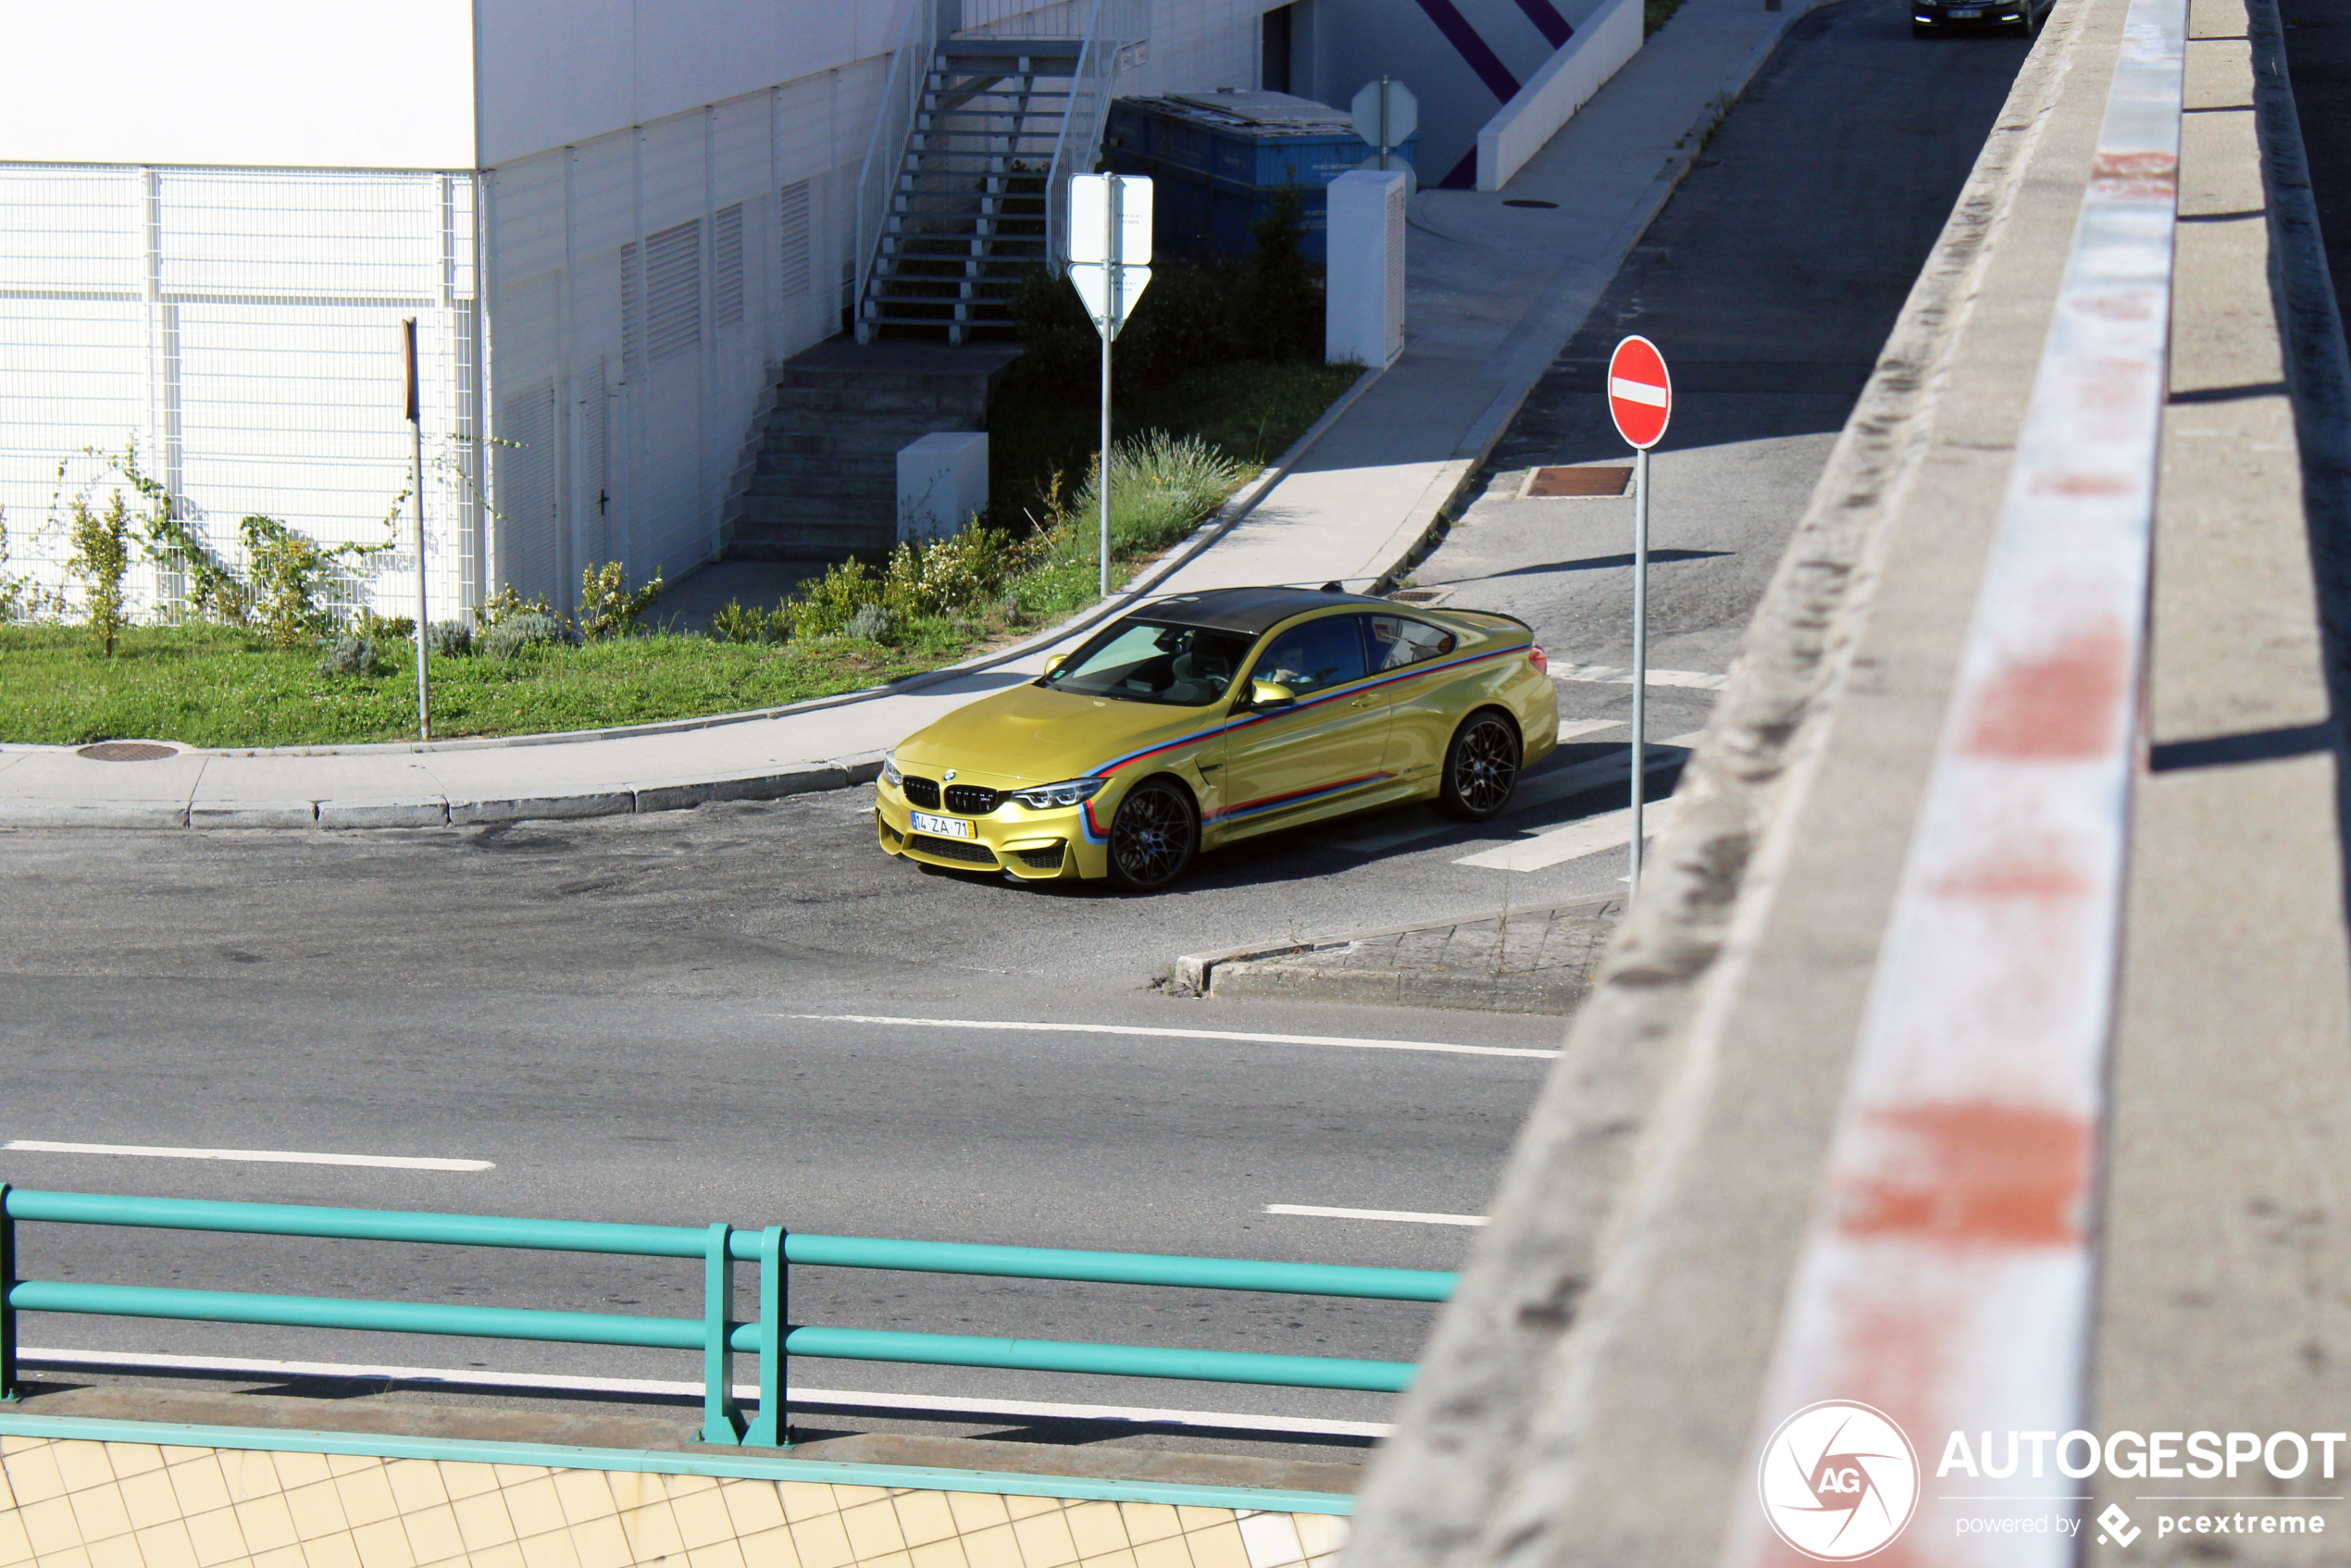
(1035, 846)
(1989, 15)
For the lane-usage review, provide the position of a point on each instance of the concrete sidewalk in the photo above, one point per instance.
(1495, 292)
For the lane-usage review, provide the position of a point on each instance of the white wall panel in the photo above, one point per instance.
(245, 338)
(560, 71)
(284, 82)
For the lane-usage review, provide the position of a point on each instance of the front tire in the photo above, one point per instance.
(1481, 767)
(1154, 836)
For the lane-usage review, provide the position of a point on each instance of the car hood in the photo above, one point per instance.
(1032, 734)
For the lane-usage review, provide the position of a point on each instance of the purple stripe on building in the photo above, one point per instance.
(1472, 48)
(1547, 21)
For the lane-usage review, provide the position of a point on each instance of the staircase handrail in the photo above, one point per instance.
(1116, 28)
(901, 99)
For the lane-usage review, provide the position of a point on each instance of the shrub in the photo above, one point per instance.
(348, 653)
(450, 638)
(959, 573)
(872, 623)
(825, 607)
(735, 624)
(288, 576)
(101, 556)
(1160, 490)
(381, 629)
(508, 602)
(527, 628)
(606, 608)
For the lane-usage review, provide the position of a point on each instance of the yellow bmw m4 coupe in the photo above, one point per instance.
(1205, 718)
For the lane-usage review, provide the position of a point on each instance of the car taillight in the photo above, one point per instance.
(1542, 665)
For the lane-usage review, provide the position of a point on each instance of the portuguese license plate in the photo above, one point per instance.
(1967, 16)
(944, 826)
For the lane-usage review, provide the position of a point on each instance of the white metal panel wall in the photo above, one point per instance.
(239, 326)
(654, 279)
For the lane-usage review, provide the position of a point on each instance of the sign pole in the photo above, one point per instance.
(417, 483)
(1640, 641)
(1113, 255)
(1640, 400)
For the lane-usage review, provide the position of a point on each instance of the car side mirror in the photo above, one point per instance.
(1053, 665)
(1265, 694)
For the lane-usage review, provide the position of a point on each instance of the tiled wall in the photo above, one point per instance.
(69, 1504)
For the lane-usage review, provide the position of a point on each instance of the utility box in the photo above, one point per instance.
(1219, 159)
(942, 479)
(1363, 287)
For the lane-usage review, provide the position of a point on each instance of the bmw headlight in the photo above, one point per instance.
(890, 776)
(1045, 797)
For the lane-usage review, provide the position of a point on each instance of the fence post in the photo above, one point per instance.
(721, 1421)
(8, 1314)
(771, 1428)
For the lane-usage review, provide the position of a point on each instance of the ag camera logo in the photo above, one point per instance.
(1839, 1481)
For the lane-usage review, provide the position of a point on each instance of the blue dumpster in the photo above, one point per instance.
(1216, 160)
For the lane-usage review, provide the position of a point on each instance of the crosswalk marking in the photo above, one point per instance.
(1611, 830)
(1610, 675)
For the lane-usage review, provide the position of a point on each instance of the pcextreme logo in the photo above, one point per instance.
(1839, 1481)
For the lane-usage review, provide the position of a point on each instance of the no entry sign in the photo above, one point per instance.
(1640, 394)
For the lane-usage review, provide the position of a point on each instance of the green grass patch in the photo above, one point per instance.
(217, 686)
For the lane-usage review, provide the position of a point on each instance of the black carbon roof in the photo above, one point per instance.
(1249, 609)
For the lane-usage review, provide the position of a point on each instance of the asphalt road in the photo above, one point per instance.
(647, 1018)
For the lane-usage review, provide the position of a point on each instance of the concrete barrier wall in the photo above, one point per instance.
(1611, 36)
(1596, 1393)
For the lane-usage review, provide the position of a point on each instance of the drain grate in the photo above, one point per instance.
(1578, 481)
(1417, 595)
(127, 751)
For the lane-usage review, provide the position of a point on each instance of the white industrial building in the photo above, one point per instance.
(613, 218)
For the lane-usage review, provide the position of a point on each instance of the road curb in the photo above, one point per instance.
(1258, 972)
(434, 811)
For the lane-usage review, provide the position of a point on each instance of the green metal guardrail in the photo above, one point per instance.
(716, 1335)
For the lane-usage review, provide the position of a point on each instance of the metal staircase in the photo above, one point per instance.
(966, 208)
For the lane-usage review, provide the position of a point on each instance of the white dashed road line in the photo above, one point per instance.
(1315, 1210)
(262, 1156)
(1017, 1027)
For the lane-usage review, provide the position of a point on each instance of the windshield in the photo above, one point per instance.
(1137, 661)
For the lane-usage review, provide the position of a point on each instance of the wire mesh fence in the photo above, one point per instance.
(231, 336)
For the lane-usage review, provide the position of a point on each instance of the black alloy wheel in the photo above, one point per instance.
(1152, 836)
(1481, 767)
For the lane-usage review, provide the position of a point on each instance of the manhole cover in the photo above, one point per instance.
(127, 751)
(1578, 481)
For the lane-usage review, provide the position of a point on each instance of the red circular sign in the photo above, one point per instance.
(1640, 394)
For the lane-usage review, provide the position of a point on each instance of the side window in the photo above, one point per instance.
(1397, 642)
(1314, 656)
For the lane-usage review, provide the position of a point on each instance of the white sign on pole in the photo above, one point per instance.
(1385, 114)
(1109, 256)
(1110, 264)
(1387, 124)
(1089, 236)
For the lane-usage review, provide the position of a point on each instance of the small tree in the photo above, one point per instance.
(608, 608)
(1283, 314)
(288, 574)
(101, 556)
